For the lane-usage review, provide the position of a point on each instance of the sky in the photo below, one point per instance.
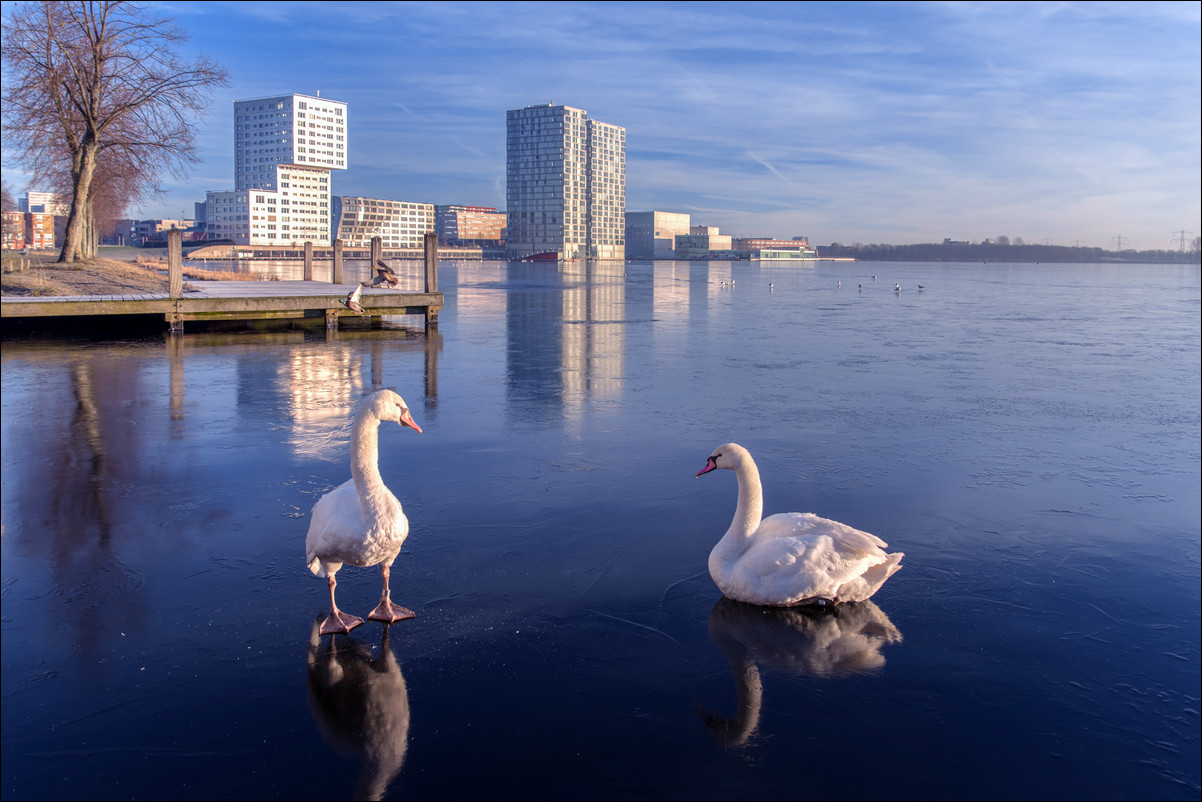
(1065, 123)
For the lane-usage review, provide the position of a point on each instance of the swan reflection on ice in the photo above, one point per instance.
(361, 705)
(819, 642)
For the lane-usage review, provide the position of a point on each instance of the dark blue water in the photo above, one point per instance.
(1029, 435)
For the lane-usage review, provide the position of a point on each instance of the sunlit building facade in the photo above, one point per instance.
(565, 185)
(400, 225)
(469, 226)
(285, 150)
(652, 235)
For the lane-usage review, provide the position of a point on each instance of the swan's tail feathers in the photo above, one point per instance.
(869, 582)
(316, 567)
(877, 574)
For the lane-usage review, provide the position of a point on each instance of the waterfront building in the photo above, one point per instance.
(652, 235)
(400, 225)
(285, 151)
(703, 241)
(565, 177)
(769, 248)
(469, 226)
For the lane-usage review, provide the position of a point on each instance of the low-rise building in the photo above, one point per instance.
(13, 228)
(770, 248)
(652, 235)
(469, 226)
(148, 232)
(400, 225)
(41, 231)
(702, 242)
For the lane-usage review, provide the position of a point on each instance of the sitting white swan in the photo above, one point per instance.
(361, 522)
(792, 557)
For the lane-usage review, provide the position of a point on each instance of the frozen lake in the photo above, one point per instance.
(1029, 436)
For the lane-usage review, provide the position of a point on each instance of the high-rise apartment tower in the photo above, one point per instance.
(565, 181)
(285, 149)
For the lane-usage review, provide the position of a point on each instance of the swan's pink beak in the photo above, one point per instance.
(407, 420)
(709, 466)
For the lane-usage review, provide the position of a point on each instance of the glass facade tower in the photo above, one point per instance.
(565, 185)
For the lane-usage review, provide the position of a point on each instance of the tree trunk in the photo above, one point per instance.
(75, 241)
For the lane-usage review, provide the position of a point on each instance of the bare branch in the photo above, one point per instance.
(96, 97)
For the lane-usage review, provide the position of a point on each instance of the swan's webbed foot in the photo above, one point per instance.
(390, 613)
(339, 622)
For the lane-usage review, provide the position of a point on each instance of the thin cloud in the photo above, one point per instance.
(1073, 122)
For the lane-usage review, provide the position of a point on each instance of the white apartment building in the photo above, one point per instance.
(565, 184)
(285, 149)
(45, 203)
(399, 225)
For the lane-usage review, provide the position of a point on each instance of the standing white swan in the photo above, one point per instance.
(791, 558)
(361, 522)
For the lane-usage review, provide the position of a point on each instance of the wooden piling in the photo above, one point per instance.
(377, 251)
(308, 261)
(175, 263)
(431, 244)
(431, 262)
(336, 270)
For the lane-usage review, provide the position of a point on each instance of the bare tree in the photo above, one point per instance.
(6, 198)
(95, 89)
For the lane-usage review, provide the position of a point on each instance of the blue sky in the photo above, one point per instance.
(1069, 123)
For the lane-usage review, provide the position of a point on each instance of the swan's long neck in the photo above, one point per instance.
(746, 521)
(750, 509)
(365, 461)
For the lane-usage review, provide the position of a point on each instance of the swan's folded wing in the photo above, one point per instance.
(336, 525)
(806, 524)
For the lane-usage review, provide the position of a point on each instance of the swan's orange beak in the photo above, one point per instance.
(709, 466)
(407, 420)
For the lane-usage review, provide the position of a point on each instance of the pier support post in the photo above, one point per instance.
(377, 252)
(175, 264)
(308, 261)
(431, 244)
(331, 319)
(336, 271)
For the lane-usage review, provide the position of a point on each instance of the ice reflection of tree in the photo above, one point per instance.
(361, 704)
(80, 458)
(833, 642)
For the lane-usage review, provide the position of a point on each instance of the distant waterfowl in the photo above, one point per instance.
(361, 522)
(897, 288)
(351, 301)
(921, 287)
(791, 558)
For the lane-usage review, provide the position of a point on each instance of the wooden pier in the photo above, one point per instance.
(243, 300)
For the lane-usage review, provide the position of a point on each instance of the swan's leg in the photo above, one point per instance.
(386, 611)
(338, 620)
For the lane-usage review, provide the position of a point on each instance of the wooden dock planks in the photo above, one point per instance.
(233, 300)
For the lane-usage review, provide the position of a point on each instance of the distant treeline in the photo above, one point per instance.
(995, 252)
